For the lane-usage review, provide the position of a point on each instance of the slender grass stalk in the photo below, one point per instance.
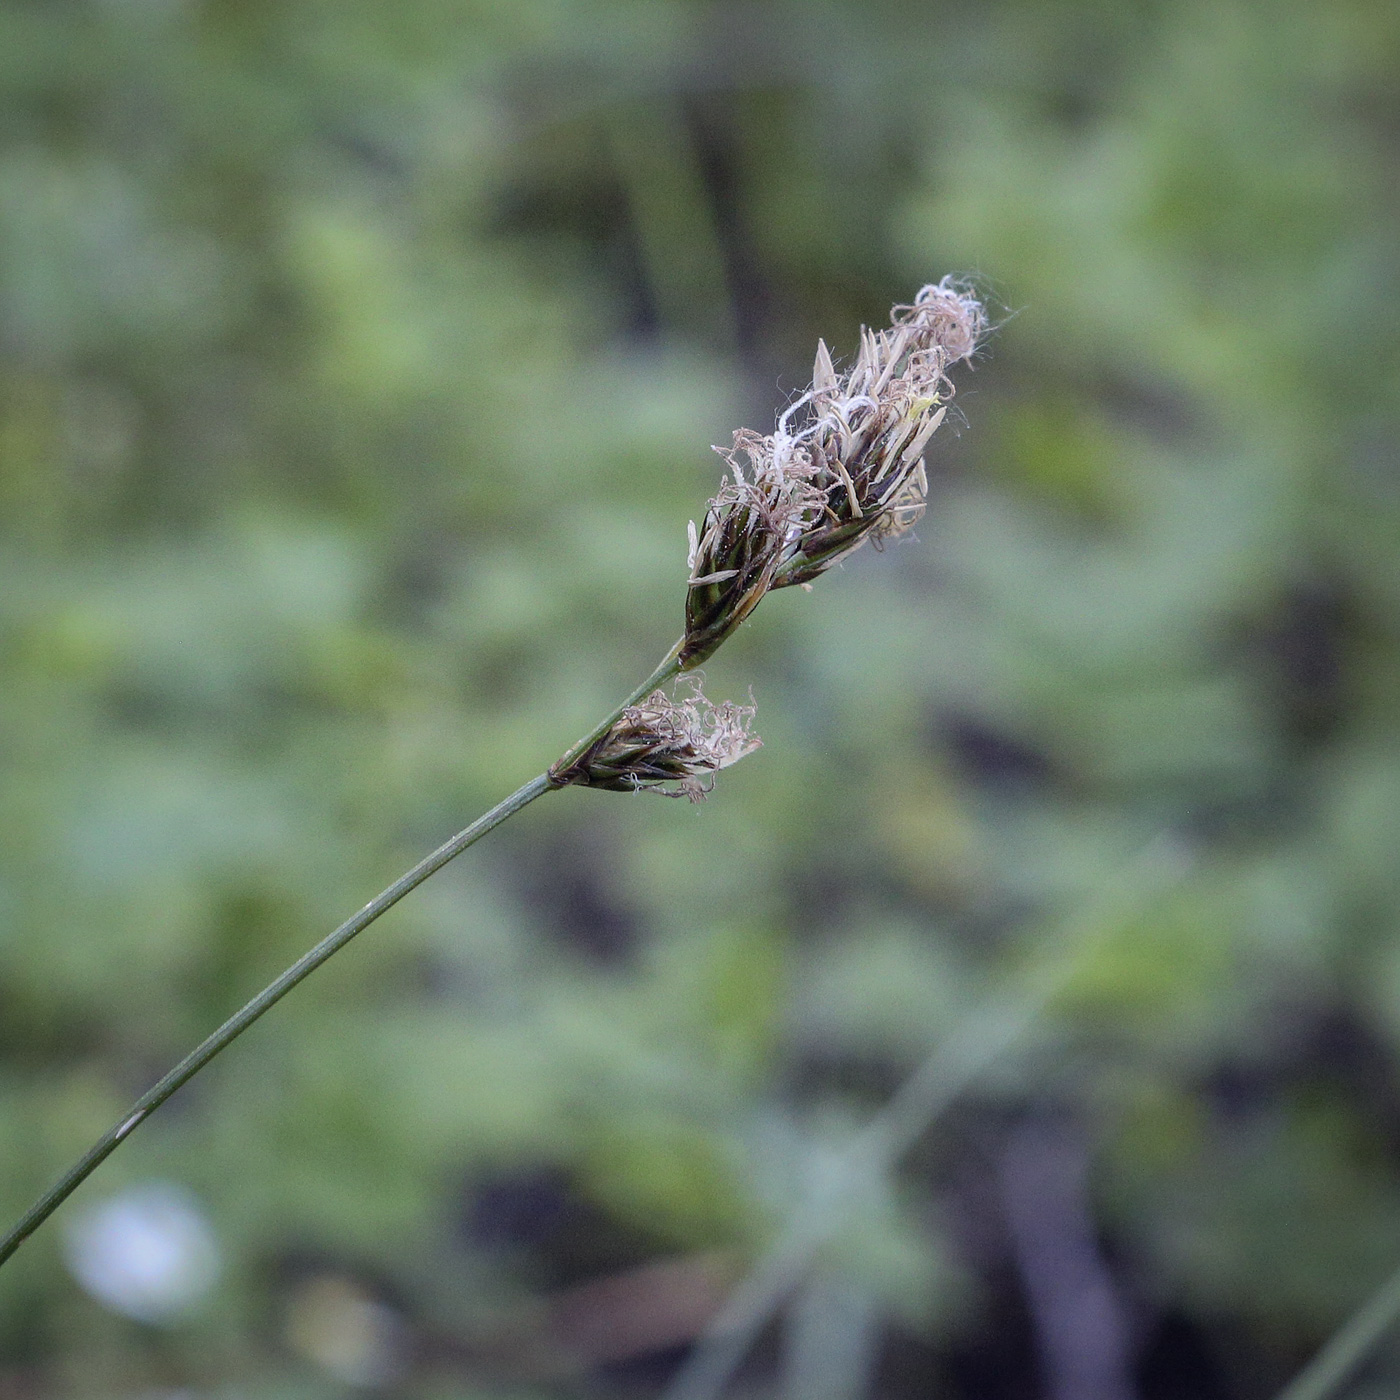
(305, 965)
(946, 1073)
(239, 1022)
(1348, 1346)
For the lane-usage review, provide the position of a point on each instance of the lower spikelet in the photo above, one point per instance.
(671, 746)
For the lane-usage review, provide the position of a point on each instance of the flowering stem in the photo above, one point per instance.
(1348, 1347)
(670, 666)
(806, 501)
(305, 966)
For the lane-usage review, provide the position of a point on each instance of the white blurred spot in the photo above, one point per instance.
(149, 1253)
(334, 1322)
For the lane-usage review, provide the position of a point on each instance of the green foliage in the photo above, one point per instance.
(358, 365)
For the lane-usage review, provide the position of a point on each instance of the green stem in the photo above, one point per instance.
(1348, 1347)
(306, 965)
(669, 667)
(267, 998)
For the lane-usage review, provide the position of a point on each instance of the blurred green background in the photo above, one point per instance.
(358, 368)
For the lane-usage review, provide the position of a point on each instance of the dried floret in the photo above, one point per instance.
(671, 746)
(867, 430)
(800, 499)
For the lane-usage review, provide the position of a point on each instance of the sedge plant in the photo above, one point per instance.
(844, 466)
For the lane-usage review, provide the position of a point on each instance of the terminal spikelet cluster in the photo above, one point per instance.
(803, 497)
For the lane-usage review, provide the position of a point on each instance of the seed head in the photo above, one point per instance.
(674, 747)
(800, 499)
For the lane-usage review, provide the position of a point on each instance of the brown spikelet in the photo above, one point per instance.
(801, 498)
(671, 746)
